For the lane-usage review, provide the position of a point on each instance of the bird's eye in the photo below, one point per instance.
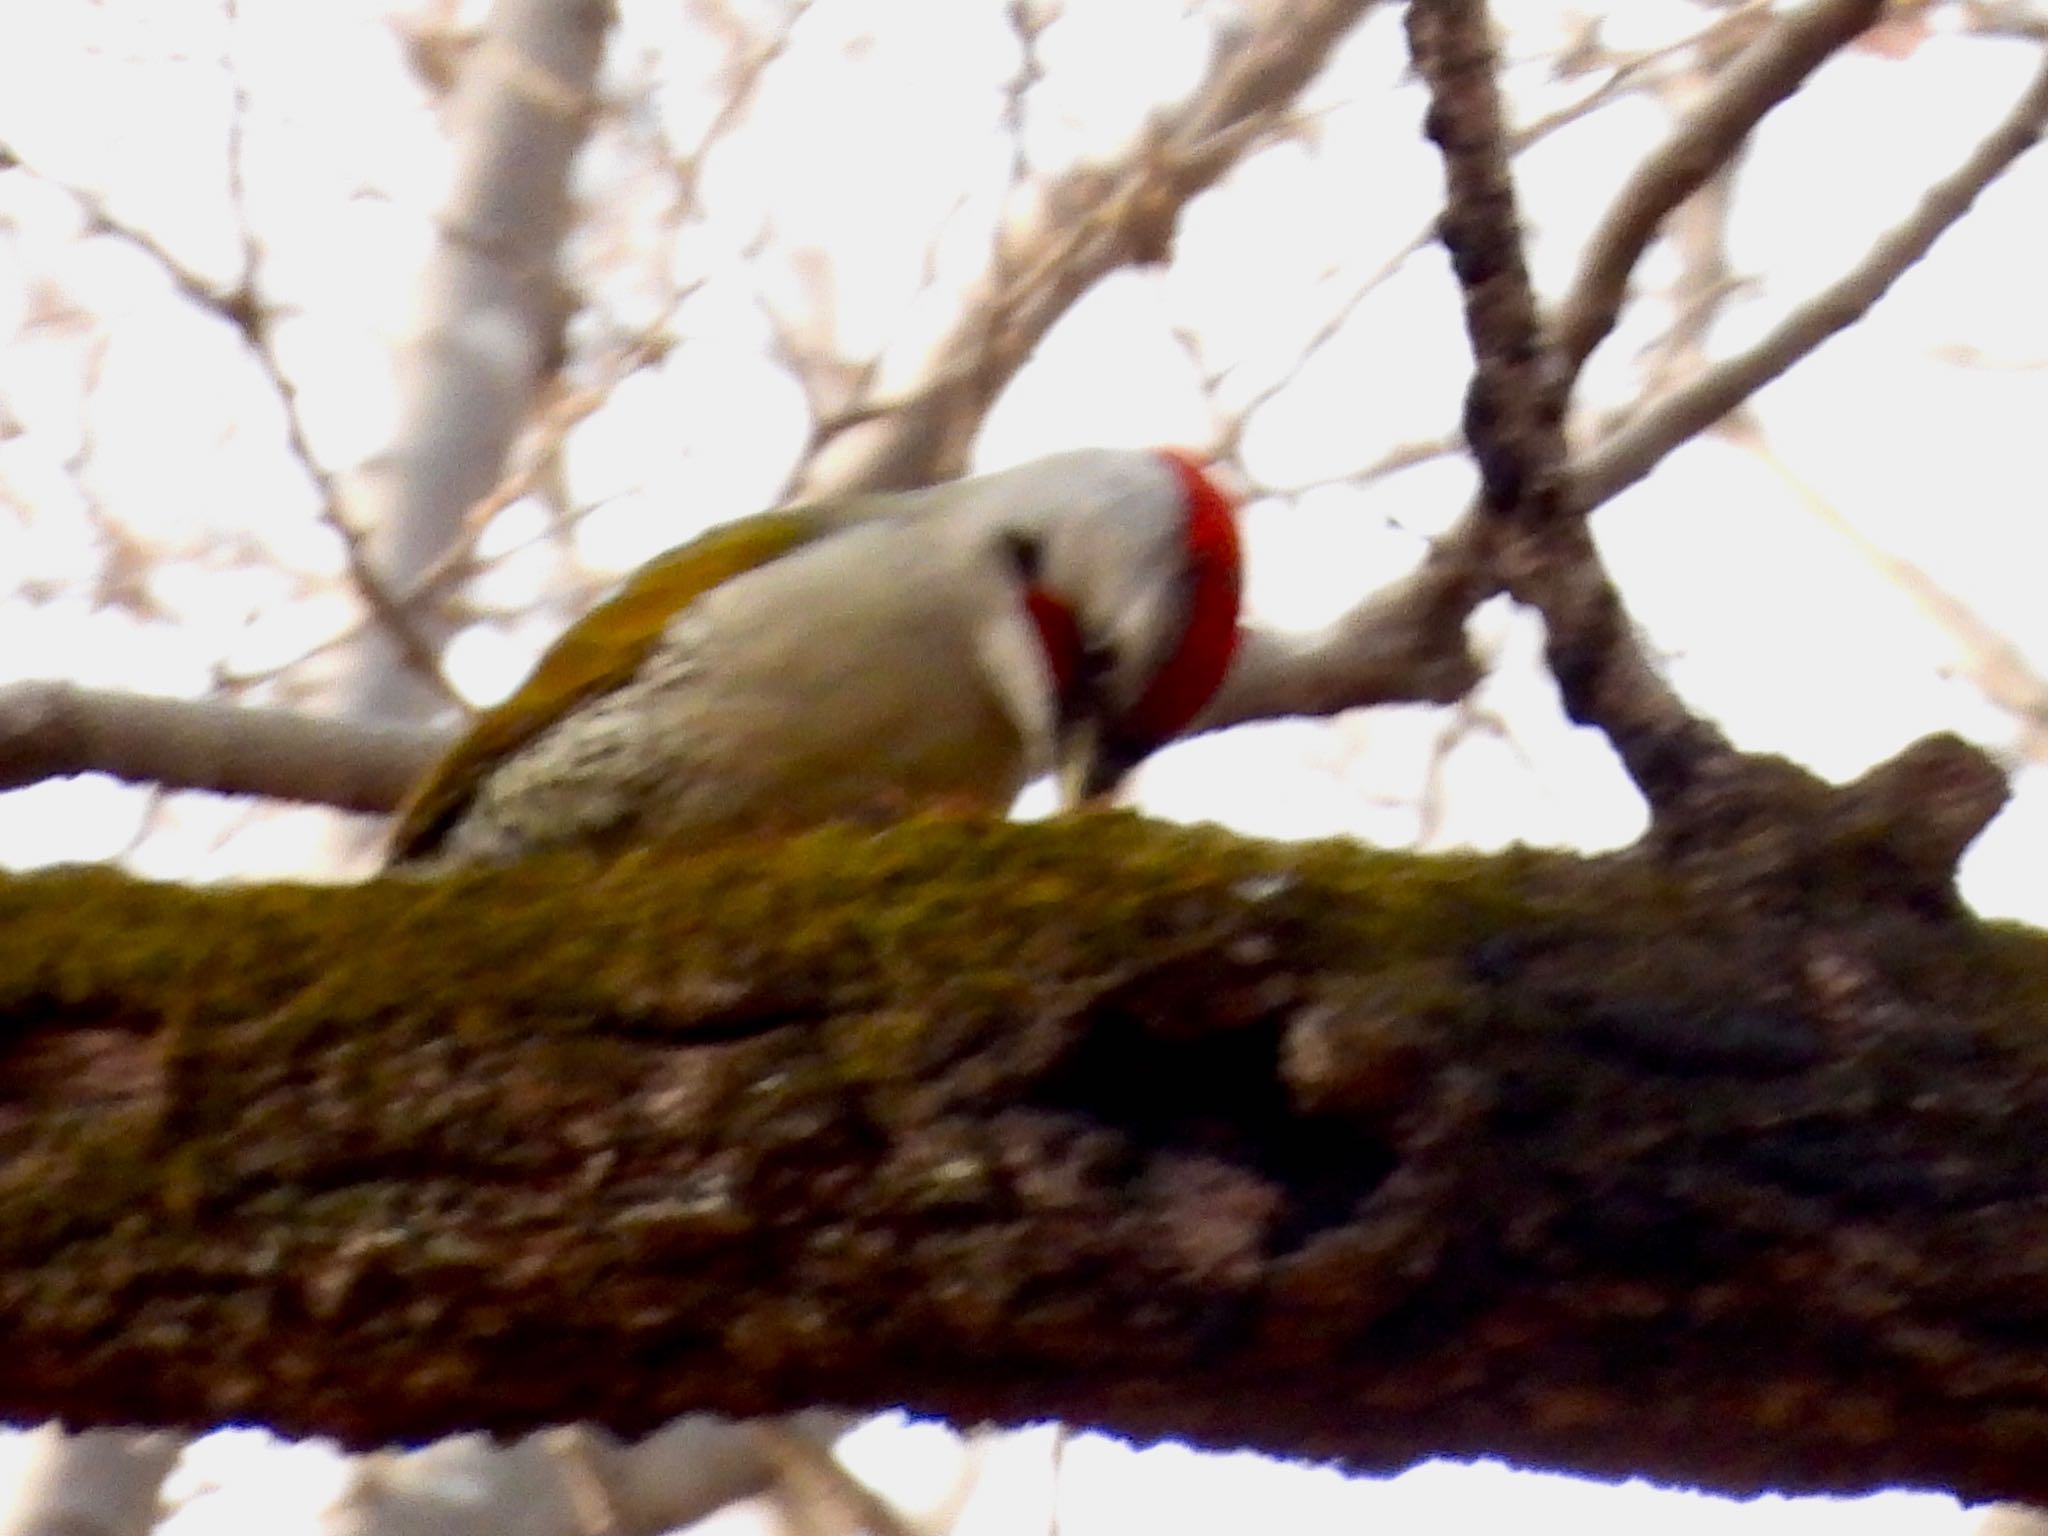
(1025, 555)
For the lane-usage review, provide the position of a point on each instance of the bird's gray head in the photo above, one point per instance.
(1137, 550)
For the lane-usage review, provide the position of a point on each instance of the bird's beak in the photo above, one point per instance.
(1092, 763)
(1075, 772)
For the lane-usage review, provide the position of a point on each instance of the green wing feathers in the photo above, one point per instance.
(598, 652)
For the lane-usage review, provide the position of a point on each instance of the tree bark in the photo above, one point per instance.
(1717, 1167)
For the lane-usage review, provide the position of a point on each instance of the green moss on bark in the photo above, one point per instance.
(1084, 1107)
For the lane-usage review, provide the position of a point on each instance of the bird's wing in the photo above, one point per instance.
(597, 652)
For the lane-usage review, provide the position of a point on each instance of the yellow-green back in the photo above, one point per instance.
(599, 651)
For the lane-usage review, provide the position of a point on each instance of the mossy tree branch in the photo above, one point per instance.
(1722, 1170)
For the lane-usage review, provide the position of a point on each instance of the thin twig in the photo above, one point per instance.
(565, 407)
(1635, 449)
(1698, 232)
(1627, 74)
(417, 653)
(1990, 660)
(1093, 220)
(1409, 637)
(243, 307)
(234, 307)
(1767, 74)
(1468, 720)
(811, 1475)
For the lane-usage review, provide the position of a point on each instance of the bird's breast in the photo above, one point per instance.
(811, 690)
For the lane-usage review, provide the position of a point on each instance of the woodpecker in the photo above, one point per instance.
(859, 659)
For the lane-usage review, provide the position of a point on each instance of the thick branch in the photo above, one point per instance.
(49, 729)
(1729, 1179)
(1531, 534)
(1403, 645)
(490, 314)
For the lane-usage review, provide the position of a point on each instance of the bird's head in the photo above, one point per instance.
(1131, 570)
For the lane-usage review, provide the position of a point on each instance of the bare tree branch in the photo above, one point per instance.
(648, 343)
(1403, 645)
(1406, 643)
(1392, 649)
(1467, 719)
(1530, 531)
(1602, 670)
(1626, 74)
(413, 648)
(820, 1493)
(1774, 67)
(1636, 448)
(50, 729)
(490, 308)
(244, 308)
(1092, 221)
(235, 306)
(1697, 231)
(696, 1465)
(2007, 18)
